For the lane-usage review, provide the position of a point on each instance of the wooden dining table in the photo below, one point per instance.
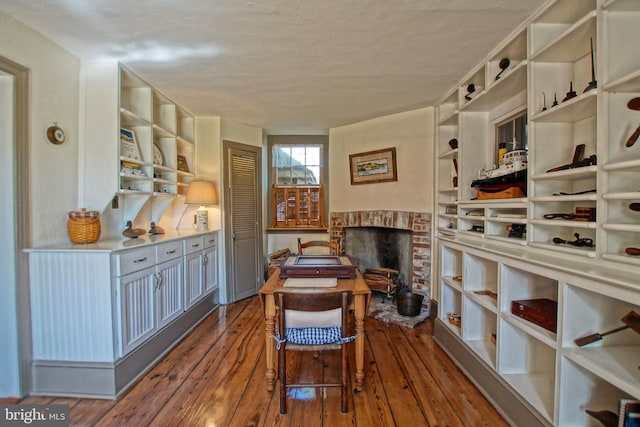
(359, 305)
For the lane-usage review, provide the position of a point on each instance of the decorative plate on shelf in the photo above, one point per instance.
(157, 155)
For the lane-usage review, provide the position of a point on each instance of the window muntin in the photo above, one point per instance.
(297, 164)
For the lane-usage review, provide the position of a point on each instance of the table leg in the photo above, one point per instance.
(270, 320)
(360, 304)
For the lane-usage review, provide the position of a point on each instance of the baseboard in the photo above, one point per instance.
(433, 309)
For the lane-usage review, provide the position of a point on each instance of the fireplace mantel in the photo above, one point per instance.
(419, 223)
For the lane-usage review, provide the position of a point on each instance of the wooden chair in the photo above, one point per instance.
(334, 247)
(304, 310)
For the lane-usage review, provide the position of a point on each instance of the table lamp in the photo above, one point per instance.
(201, 193)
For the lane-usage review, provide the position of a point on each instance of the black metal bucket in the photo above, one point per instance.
(409, 304)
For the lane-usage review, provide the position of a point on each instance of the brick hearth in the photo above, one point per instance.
(419, 223)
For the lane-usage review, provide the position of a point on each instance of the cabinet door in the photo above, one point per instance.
(137, 309)
(170, 301)
(210, 273)
(193, 278)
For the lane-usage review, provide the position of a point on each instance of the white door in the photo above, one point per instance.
(242, 202)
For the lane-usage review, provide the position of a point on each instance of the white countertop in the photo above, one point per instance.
(114, 244)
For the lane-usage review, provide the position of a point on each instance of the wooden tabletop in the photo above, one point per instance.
(357, 285)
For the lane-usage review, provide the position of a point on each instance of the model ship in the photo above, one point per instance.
(512, 170)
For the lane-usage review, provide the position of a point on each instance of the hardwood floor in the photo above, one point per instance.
(216, 377)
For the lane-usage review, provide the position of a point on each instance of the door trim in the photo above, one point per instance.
(22, 214)
(229, 261)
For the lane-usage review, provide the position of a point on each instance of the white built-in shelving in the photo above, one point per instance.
(558, 379)
(594, 285)
(149, 177)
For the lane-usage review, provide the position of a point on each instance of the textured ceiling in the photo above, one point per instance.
(289, 66)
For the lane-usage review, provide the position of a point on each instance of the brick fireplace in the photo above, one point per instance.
(419, 223)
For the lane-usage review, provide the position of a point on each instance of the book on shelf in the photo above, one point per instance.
(129, 145)
(629, 414)
(130, 168)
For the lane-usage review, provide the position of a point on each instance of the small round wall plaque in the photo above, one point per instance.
(55, 134)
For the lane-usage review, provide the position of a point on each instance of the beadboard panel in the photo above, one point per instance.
(170, 298)
(71, 305)
(137, 294)
(110, 380)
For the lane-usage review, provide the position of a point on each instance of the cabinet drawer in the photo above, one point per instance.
(169, 250)
(194, 244)
(210, 240)
(135, 260)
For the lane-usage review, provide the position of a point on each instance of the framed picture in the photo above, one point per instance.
(373, 166)
(129, 145)
(183, 166)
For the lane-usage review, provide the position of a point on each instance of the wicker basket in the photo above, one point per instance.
(84, 226)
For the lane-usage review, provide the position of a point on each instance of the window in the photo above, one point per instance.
(297, 181)
(511, 134)
(296, 164)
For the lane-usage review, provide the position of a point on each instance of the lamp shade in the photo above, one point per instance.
(201, 193)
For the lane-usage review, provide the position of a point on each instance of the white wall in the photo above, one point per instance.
(54, 91)
(239, 132)
(54, 98)
(207, 167)
(411, 133)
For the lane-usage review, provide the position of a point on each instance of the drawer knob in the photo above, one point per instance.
(171, 252)
(135, 261)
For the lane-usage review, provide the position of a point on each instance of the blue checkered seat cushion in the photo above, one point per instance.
(314, 336)
(317, 336)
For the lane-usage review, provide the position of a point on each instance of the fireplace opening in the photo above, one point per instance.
(380, 247)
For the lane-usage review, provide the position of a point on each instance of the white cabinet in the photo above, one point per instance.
(150, 289)
(210, 259)
(169, 282)
(201, 267)
(102, 314)
(581, 223)
(194, 268)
